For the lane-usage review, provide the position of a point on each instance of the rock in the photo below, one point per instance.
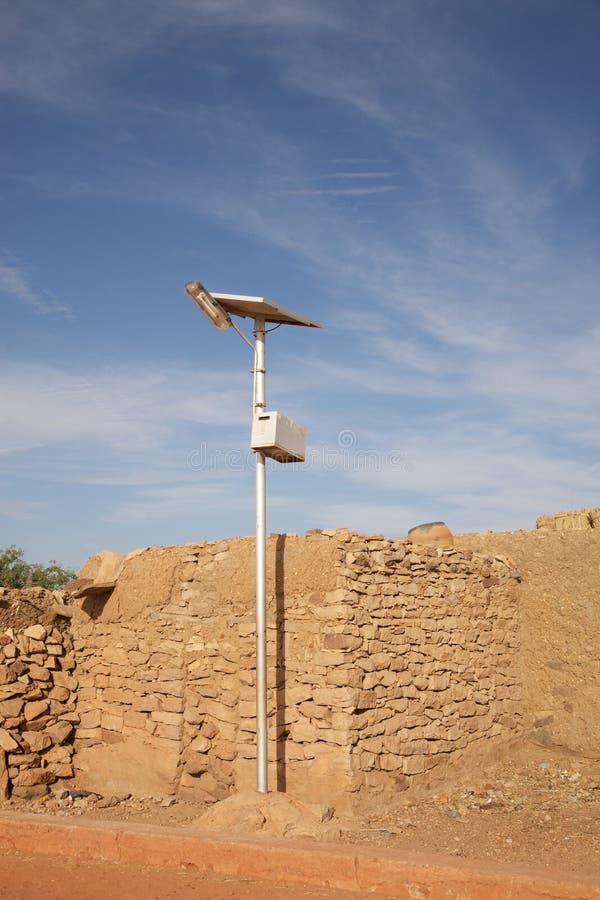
(200, 744)
(273, 814)
(452, 813)
(436, 533)
(79, 794)
(239, 814)
(59, 733)
(35, 708)
(113, 800)
(63, 679)
(196, 765)
(78, 585)
(11, 708)
(212, 788)
(58, 755)
(6, 676)
(28, 777)
(104, 568)
(36, 740)
(62, 770)
(39, 673)
(61, 610)
(29, 792)
(37, 632)
(7, 742)
(59, 693)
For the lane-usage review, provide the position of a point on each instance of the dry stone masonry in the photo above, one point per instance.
(37, 706)
(571, 520)
(386, 658)
(431, 638)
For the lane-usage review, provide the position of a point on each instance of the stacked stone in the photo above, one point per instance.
(37, 709)
(165, 681)
(131, 685)
(317, 675)
(219, 733)
(570, 520)
(384, 658)
(437, 658)
(214, 676)
(312, 646)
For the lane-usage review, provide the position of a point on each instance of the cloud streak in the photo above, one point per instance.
(15, 285)
(128, 408)
(341, 192)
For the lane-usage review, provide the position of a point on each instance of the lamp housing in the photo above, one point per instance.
(211, 308)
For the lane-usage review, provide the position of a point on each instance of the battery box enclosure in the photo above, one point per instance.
(278, 437)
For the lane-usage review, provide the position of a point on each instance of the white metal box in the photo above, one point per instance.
(278, 437)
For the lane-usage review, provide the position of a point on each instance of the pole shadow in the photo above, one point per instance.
(280, 667)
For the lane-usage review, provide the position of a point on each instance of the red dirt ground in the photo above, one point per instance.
(24, 877)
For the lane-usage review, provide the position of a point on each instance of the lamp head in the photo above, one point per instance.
(211, 308)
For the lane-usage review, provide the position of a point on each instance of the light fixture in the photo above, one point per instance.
(211, 308)
(273, 435)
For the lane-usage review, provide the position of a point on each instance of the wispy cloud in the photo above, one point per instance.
(22, 510)
(131, 408)
(359, 175)
(15, 285)
(341, 192)
(170, 501)
(464, 475)
(63, 56)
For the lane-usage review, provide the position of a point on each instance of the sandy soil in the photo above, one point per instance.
(532, 807)
(535, 808)
(24, 877)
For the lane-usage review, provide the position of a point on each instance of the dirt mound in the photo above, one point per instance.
(270, 814)
(22, 607)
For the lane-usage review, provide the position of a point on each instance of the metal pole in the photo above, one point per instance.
(261, 569)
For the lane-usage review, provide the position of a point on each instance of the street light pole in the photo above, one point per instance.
(277, 437)
(261, 567)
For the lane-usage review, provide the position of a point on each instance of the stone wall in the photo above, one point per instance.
(37, 705)
(384, 659)
(387, 660)
(571, 520)
(433, 638)
(131, 678)
(166, 664)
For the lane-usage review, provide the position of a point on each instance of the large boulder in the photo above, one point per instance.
(98, 575)
(273, 815)
(436, 533)
(104, 567)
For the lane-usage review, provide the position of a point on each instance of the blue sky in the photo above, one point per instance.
(421, 177)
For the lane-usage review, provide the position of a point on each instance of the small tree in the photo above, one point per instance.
(15, 572)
